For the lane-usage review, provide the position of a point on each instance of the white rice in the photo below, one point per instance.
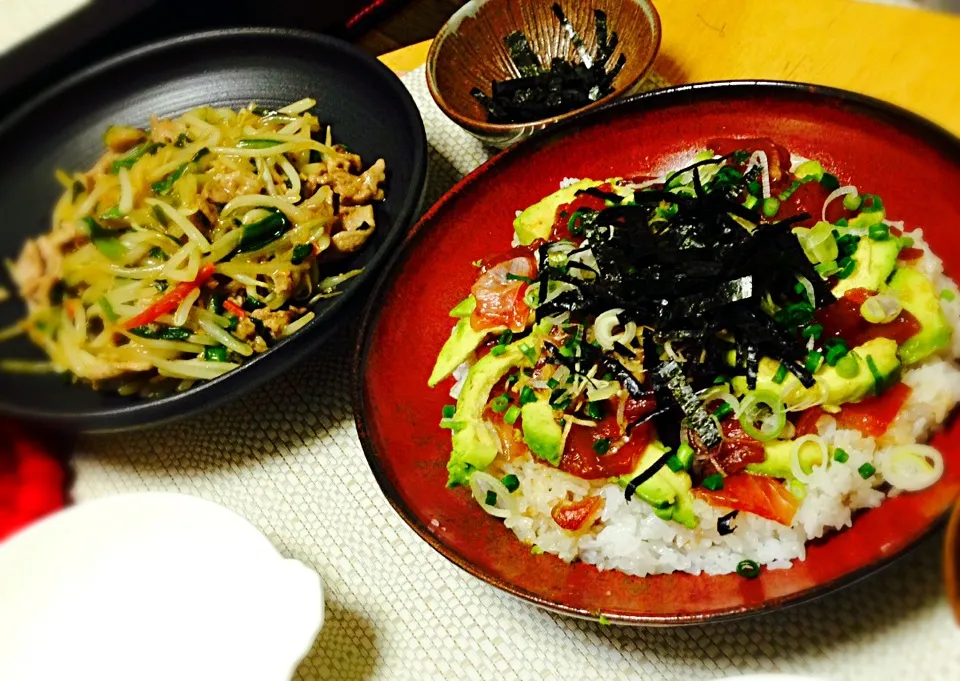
(631, 538)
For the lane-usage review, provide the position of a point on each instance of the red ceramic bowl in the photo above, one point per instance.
(914, 165)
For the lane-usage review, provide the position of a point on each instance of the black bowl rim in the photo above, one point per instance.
(919, 127)
(210, 394)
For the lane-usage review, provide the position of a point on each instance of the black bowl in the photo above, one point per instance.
(370, 111)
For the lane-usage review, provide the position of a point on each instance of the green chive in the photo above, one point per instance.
(842, 222)
(200, 154)
(877, 377)
(166, 184)
(713, 482)
(500, 404)
(499, 350)
(781, 375)
(595, 410)
(513, 413)
(257, 143)
(300, 253)
(215, 353)
(836, 352)
(755, 188)
(749, 569)
(813, 331)
(675, 464)
(840, 456)
(750, 202)
(847, 244)
(250, 304)
(813, 360)
(880, 232)
(553, 383)
(449, 410)
(827, 269)
(529, 352)
(948, 295)
(601, 446)
(527, 396)
(723, 411)
(575, 223)
(851, 201)
(603, 621)
(536, 550)
(491, 498)
(511, 482)
(512, 379)
(107, 309)
(232, 322)
(518, 277)
(770, 207)
(866, 470)
(871, 203)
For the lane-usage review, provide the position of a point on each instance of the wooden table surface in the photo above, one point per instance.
(905, 56)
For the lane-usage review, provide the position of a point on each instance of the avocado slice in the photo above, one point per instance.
(541, 432)
(883, 351)
(777, 461)
(461, 343)
(474, 445)
(920, 299)
(875, 262)
(536, 222)
(668, 492)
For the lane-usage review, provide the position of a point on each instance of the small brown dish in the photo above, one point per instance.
(469, 52)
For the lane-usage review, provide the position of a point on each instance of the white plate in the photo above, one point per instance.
(152, 586)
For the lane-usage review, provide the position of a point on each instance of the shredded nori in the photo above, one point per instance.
(723, 523)
(704, 278)
(565, 86)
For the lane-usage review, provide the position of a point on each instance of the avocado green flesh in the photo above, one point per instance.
(541, 432)
(920, 299)
(668, 492)
(777, 461)
(875, 262)
(536, 222)
(474, 445)
(839, 390)
(461, 344)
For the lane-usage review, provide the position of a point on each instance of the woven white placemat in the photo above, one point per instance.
(287, 458)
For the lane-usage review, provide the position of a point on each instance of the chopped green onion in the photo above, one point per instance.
(166, 184)
(505, 338)
(866, 471)
(879, 232)
(781, 374)
(848, 366)
(131, 157)
(685, 454)
(449, 410)
(749, 569)
(232, 322)
(491, 498)
(750, 414)
(723, 411)
(829, 182)
(258, 234)
(847, 244)
(840, 456)
(500, 403)
(529, 352)
(562, 404)
(812, 363)
(871, 203)
(713, 482)
(498, 350)
(813, 331)
(906, 241)
(754, 188)
(513, 413)
(842, 222)
(553, 383)
(675, 464)
(536, 550)
(300, 253)
(750, 202)
(215, 353)
(827, 269)
(795, 314)
(575, 223)
(603, 621)
(851, 201)
(719, 380)
(518, 277)
(847, 266)
(877, 377)
(595, 410)
(511, 482)
(770, 207)
(200, 154)
(836, 352)
(790, 191)
(527, 396)
(602, 445)
(948, 295)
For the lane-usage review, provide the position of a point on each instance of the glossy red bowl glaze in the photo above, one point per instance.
(912, 164)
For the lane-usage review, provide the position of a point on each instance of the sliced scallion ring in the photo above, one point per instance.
(795, 466)
(481, 484)
(911, 467)
(881, 309)
(752, 408)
